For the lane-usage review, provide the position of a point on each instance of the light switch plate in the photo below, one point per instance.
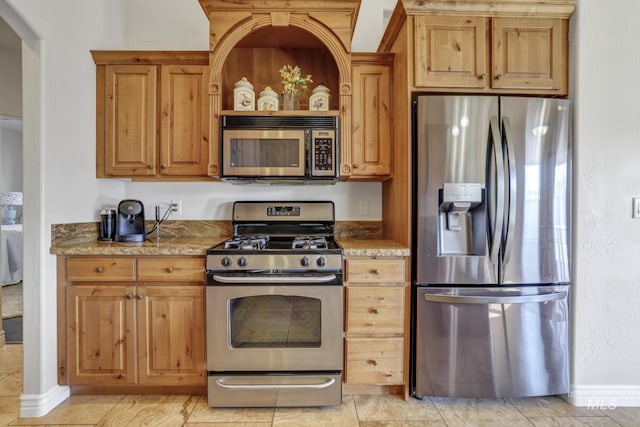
(636, 207)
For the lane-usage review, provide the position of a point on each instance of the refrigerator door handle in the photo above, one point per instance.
(520, 299)
(495, 150)
(513, 188)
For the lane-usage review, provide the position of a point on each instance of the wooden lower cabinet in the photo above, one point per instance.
(134, 333)
(376, 325)
(147, 335)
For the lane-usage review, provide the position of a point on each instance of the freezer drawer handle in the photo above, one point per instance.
(221, 382)
(464, 299)
(280, 279)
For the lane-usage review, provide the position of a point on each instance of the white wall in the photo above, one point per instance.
(11, 158)
(11, 81)
(606, 89)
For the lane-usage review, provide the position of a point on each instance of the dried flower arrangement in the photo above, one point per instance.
(292, 81)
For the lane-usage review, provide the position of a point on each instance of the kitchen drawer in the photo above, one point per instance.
(171, 269)
(374, 360)
(92, 269)
(375, 270)
(374, 310)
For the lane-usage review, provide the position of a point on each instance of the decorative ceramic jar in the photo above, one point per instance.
(268, 100)
(319, 99)
(244, 98)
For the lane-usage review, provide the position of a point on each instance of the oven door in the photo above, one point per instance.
(263, 153)
(278, 327)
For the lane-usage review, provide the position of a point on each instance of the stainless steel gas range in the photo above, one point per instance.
(275, 308)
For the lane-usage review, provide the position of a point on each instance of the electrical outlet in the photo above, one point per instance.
(363, 207)
(176, 207)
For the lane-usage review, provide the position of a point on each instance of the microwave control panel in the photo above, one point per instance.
(323, 153)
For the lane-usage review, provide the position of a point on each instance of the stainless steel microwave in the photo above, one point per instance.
(279, 149)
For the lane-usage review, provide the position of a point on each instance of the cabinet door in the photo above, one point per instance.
(171, 338)
(530, 54)
(371, 121)
(100, 338)
(184, 120)
(130, 120)
(451, 52)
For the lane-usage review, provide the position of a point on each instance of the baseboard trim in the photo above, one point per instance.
(604, 397)
(38, 405)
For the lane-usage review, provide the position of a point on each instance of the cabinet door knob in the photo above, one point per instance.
(99, 270)
(483, 76)
(373, 362)
(129, 296)
(356, 166)
(149, 167)
(499, 77)
(138, 297)
(163, 166)
(375, 311)
(169, 269)
(377, 271)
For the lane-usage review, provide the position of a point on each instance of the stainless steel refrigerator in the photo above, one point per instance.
(492, 221)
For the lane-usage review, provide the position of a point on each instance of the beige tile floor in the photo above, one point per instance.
(356, 411)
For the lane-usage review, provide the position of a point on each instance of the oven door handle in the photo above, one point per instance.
(221, 382)
(280, 279)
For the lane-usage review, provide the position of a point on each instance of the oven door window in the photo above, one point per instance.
(264, 153)
(274, 321)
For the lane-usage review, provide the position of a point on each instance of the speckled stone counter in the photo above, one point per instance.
(188, 238)
(372, 247)
(193, 238)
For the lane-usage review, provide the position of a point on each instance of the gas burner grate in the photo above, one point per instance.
(303, 242)
(247, 243)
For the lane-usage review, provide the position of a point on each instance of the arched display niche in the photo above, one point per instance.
(275, 41)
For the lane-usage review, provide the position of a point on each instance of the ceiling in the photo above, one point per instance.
(8, 38)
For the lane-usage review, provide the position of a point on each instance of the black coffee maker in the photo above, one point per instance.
(130, 221)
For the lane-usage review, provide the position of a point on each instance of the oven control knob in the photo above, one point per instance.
(226, 261)
(242, 262)
(305, 261)
(322, 261)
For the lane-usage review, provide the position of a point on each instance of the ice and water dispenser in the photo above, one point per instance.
(462, 219)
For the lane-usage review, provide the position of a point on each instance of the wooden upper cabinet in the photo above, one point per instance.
(371, 119)
(486, 46)
(130, 120)
(152, 114)
(184, 120)
(530, 53)
(451, 51)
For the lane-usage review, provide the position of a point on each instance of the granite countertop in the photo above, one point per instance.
(186, 246)
(193, 238)
(372, 247)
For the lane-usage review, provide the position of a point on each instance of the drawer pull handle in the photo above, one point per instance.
(375, 311)
(377, 271)
(99, 270)
(129, 296)
(499, 77)
(170, 270)
(138, 297)
(373, 362)
(483, 76)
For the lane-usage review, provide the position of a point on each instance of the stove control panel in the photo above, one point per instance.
(302, 262)
(283, 210)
